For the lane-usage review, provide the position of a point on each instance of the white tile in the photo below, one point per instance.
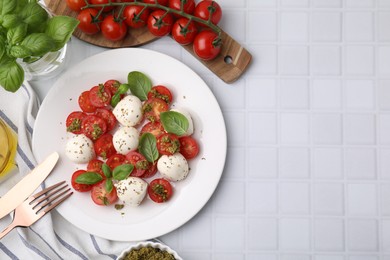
(383, 20)
(261, 93)
(384, 163)
(262, 26)
(295, 234)
(359, 60)
(191, 255)
(384, 94)
(384, 199)
(360, 163)
(267, 63)
(328, 163)
(326, 94)
(362, 235)
(294, 93)
(359, 94)
(235, 200)
(293, 60)
(294, 128)
(262, 197)
(230, 98)
(294, 257)
(359, 129)
(359, 26)
(235, 20)
(228, 256)
(326, 128)
(262, 128)
(328, 257)
(328, 234)
(385, 226)
(233, 4)
(267, 158)
(384, 128)
(327, 3)
(261, 3)
(235, 163)
(229, 233)
(325, 60)
(360, 3)
(234, 135)
(294, 198)
(383, 56)
(294, 26)
(294, 162)
(199, 227)
(262, 234)
(295, 3)
(384, 3)
(325, 26)
(259, 256)
(328, 199)
(362, 199)
(362, 257)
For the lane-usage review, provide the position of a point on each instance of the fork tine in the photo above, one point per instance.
(44, 195)
(49, 199)
(36, 195)
(55, 204)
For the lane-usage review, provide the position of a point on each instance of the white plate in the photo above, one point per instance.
(150, 219)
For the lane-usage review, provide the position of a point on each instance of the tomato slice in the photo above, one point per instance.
(73, 122)
(139, 162)
(78, 186)
(151, 171)
(116, 160)
(104, 147)
(99, 96)
(112, 85)
(168, 144)
(85, 104)
(93, 127)
(155, 128)
(107, 116)
(95, 165)
(189, 147)
(161, 92)
(153, 107)
(100, 195)
(160, 190)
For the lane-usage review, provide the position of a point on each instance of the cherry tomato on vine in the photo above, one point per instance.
(202, 11)
(161, 2)
(183, 31)
(113, 30)
(207, 45)
(136, 15)
(85, 19)
(97, 2)
(160, 23)
(75, 5)
(188, 7)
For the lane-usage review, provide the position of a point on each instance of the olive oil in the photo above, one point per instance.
(8, 144)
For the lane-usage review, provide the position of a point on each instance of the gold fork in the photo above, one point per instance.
(37, 205)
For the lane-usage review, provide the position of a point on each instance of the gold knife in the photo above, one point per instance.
(26, 186)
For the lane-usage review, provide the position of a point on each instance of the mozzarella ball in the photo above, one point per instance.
(79, 149)
(128, 111)
(185, 113)
(173, 167)
(125, 139)
(131, 190)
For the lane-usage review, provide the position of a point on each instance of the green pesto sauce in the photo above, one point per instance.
(148, 253)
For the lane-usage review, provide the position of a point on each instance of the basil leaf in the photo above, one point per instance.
(139, 84)
(20, 5)
(11, 76)
(148, 147)
(174, 122)
(123, 171)
(106, 170)
(19, 51)
(10, 20)
(16, 34)
(38, 43)
(108, 185)
(89, 178)
(115, 99)
(60, 29)
(2, 48)
(7, 6)
(35, 16)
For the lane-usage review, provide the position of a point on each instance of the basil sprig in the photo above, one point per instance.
(148, 147)
(174, 122)
(27, 32)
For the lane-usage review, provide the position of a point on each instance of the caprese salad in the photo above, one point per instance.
(134, 145)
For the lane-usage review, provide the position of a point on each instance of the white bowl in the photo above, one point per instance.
(158, 245)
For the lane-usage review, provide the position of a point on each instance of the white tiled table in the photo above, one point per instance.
(308, 167)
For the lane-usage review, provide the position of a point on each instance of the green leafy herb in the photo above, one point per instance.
(148, 147)
(38, 43)
(19, 51)
(123, 171)
(11, 76)
(10, 20)
(139, 84)
(108, 185)
(16, 34)
(35, 16)
(7, 6)
(106, 170)
(60, 28)
(174, 122)
(89, 178)
(122, 89)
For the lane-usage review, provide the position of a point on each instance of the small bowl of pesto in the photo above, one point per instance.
(149, 250)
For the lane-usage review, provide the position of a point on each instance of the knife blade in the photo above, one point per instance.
(26, 186)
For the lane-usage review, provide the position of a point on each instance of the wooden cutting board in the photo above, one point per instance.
(229, 65)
